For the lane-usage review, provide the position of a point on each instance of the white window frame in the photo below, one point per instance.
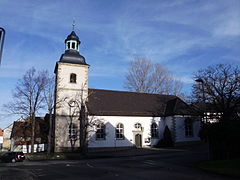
(72, 132)
(138, 126)
(154, 130)
(119, 131)
(101, 131)
(188, 123)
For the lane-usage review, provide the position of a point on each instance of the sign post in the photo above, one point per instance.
(2, 35)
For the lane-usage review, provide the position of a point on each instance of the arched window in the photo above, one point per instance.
(188, 127)
(100, 133)
(154, 130)
(73, 78)
(73, 45)
(68, 45)
(119, 131)
(138, 126)
(72, 132)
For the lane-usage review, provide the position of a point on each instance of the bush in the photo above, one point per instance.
(223, 139)
(166, 141)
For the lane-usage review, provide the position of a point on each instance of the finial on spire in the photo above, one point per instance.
(73, 25)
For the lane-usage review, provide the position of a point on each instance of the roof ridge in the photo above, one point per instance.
(131, 92)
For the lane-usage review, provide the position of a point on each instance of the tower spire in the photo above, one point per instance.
(73, 25)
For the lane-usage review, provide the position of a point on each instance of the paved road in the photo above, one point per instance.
(173, 164)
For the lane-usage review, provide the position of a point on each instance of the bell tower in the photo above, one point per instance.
(71, 73)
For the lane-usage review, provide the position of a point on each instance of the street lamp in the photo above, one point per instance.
(2, 34)
(201, 81)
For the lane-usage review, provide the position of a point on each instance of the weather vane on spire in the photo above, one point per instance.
(73, 25)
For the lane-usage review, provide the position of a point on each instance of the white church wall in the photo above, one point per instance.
(169, 122)
(129, 131)
(67, 91)
(64, 71)
(62, 139)
(180, 130)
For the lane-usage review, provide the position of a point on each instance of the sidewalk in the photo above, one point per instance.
(128, 152)
(108, 153)
(114, 153)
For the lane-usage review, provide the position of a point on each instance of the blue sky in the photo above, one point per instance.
(183, 35)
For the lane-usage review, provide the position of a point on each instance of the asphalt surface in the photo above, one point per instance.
(158, 164)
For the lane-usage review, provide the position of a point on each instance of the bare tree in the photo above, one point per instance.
(77, 106)
(219, 85)
(145, 76)
(48, 94)
(28, 98)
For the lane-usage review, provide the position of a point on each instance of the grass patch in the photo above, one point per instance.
(2, 152)
(44, 156)
(53, 156)
(225, 167)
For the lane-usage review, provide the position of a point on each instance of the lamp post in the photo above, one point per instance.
(2, 35)
(200, 80)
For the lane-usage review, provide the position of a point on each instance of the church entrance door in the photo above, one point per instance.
(138, 140)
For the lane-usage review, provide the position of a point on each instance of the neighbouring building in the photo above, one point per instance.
(21, 135)
(208, 111)
(1, 139)
(7, 138)
(124, 119)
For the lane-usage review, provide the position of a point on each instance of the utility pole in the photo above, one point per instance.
(2, 35)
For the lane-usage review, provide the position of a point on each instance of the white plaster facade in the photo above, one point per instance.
(1, 140)
(129, 131)
(7, 138)
(180, 135)
(175, 124)
(66, 92)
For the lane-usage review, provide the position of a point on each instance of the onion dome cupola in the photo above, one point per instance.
(72, 42)
(72, 54)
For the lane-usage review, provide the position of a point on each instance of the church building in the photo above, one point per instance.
(116, 118)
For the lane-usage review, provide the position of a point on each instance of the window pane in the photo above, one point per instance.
(100, 133)
(154, 130)
(188, 127)
(72, 132)
(119, 131)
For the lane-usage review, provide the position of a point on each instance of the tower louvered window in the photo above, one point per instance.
(73, 78)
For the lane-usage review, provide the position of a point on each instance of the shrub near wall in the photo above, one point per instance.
(166, 141)
(223, 138)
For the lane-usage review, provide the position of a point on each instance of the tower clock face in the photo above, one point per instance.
(72, 103)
